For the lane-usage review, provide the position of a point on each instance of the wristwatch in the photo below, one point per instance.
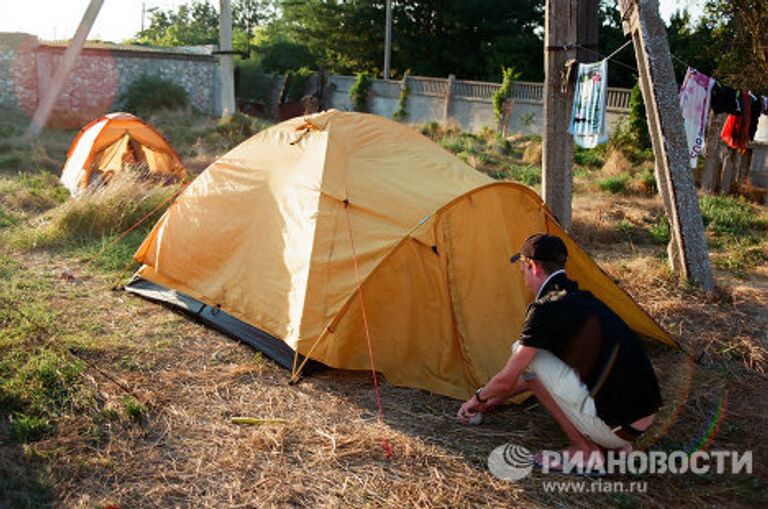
(477, 395)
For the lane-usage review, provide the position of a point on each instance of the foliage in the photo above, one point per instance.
(197, 23)
(280, 55)
(297, 83)
(504, 92)
(739, 42)
(402, 103)
(148, 94)
(359, 91)
(252, 83)
(348, 36)
(191, 24)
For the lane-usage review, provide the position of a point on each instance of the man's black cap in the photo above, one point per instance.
(542, 247)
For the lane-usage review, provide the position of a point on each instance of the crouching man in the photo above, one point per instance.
(581, 361)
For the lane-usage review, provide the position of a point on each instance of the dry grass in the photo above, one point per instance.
(102, 211)
(186, 452)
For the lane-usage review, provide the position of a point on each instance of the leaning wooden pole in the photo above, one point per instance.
(44, 109)
(688, 246)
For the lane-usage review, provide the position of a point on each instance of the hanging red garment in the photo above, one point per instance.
(735, 132)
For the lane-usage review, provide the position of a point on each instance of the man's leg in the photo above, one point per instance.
(578, 441)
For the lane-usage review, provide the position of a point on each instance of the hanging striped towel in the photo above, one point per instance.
(588, 115)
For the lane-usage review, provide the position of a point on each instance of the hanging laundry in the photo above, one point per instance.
(725, 100)
(588, 115)
(694, 102)
(735, 132)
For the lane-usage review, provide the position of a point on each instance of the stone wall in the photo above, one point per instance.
(100, 77)
(469, 102)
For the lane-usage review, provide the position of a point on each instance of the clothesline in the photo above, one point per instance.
(633, 69)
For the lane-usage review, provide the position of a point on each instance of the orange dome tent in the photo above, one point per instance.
(117, 142)
(260, 245)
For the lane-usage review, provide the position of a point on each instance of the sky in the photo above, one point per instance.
(121, 19)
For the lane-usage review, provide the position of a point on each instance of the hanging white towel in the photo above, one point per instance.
(588, 114)
(694, 102)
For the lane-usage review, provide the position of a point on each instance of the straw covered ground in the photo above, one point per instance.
(107, 400)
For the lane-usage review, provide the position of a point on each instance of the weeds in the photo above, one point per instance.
(614, 185)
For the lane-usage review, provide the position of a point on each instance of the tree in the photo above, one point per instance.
(192, 24)
(739, 33)
(197, 23)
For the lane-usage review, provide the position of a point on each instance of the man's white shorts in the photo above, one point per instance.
(572, 396)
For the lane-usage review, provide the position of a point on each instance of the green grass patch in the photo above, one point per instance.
(659, 231)
(738, 230)
(133, 409)
(614, 185)
(528, 175)
(29, 428)
(31, 193)
(726, 215)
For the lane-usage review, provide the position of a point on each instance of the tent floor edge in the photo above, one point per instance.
(222, 321)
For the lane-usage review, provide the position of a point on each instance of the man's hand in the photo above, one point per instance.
(470, 408)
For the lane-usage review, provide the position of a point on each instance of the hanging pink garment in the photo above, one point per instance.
(694, 103)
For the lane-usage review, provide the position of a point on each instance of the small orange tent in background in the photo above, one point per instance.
(260, 245)
(118, 142)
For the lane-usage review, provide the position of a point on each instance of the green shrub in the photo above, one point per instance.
(281, 55)
(148, 94)
(584, 157)
(509, 76)
(401, 113)
(253, 84)
(615, 185)
(637, 120)
(359, 91)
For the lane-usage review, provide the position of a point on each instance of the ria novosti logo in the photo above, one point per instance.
(513, 462)
(510, 462)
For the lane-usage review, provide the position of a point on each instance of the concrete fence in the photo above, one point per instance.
(470, 103)
(103, 73)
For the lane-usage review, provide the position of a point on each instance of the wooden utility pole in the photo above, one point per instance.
(688, 247)
(587, 27)
(61, 74)
(557, 148)
(388, 41)
(226, 59)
